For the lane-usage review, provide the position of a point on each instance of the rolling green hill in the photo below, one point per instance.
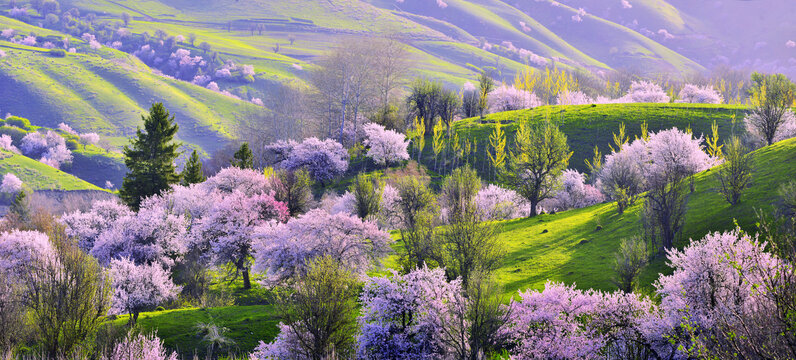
(39, 176)
(577, 246)
(107, 91)
(587, 126)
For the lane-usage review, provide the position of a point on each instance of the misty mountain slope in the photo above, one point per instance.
(747, 33)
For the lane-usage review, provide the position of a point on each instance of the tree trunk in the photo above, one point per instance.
(247, 284)
(533, 208)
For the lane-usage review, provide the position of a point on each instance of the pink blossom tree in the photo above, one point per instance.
(562, 322)
(140, 347)
(507, 98)
(228, 228)
(574, 98)
(89, 139)
(324, 159)
(67, 129)
(247, 181)
(49, 147)
(405, 316)
(20, 250)
(139, 287)
(151, 236)
(645, 92)
(6, 143)
(29, 41)
(675, 156)
(622, 174)
(716, 300)
(87, 226)
(385, 146)
(696, 94)
(785, 130)
(11, 184)
(282, 250)
(574, 193)
(497, 203)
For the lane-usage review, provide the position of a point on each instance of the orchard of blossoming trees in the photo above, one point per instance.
(344, 286)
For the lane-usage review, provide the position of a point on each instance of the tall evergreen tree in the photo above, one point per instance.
(192, 173)
(150, 158)
(20, 208)
(243, 158)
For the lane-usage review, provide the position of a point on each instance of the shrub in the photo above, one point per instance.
(57, 53)
(736, 174)
(14, 132)
(19, 122)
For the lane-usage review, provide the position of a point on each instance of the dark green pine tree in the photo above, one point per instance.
(20, 208)
(243, 158)
(150, 158)
(192, 173)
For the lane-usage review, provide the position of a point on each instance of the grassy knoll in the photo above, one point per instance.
(578, 246)
(590, 125)
(247, 325)
(39, 176)
(107, 92)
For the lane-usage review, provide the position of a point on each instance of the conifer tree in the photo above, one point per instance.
(150, 158)
(192, 174)
(20, 208)
(243, 158)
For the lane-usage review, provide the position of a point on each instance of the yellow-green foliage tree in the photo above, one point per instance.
(438, 141)
(497, 141)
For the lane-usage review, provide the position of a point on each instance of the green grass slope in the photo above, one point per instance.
(107, 92)
(39, 176)
(578, 246)
(247, 326)
(587, 126)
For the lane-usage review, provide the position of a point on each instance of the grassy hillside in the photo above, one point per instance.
(107, 91)
(578, 246)
(574, 246)
(39, 176)
(587, 126)
(247, 326)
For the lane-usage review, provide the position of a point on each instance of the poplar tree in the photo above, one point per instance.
(497, 141)
(150, 158)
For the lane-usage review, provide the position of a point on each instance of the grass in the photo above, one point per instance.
(39, 176)
(587, 126)
(107, 92)
(578, 246)
(247, 325)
